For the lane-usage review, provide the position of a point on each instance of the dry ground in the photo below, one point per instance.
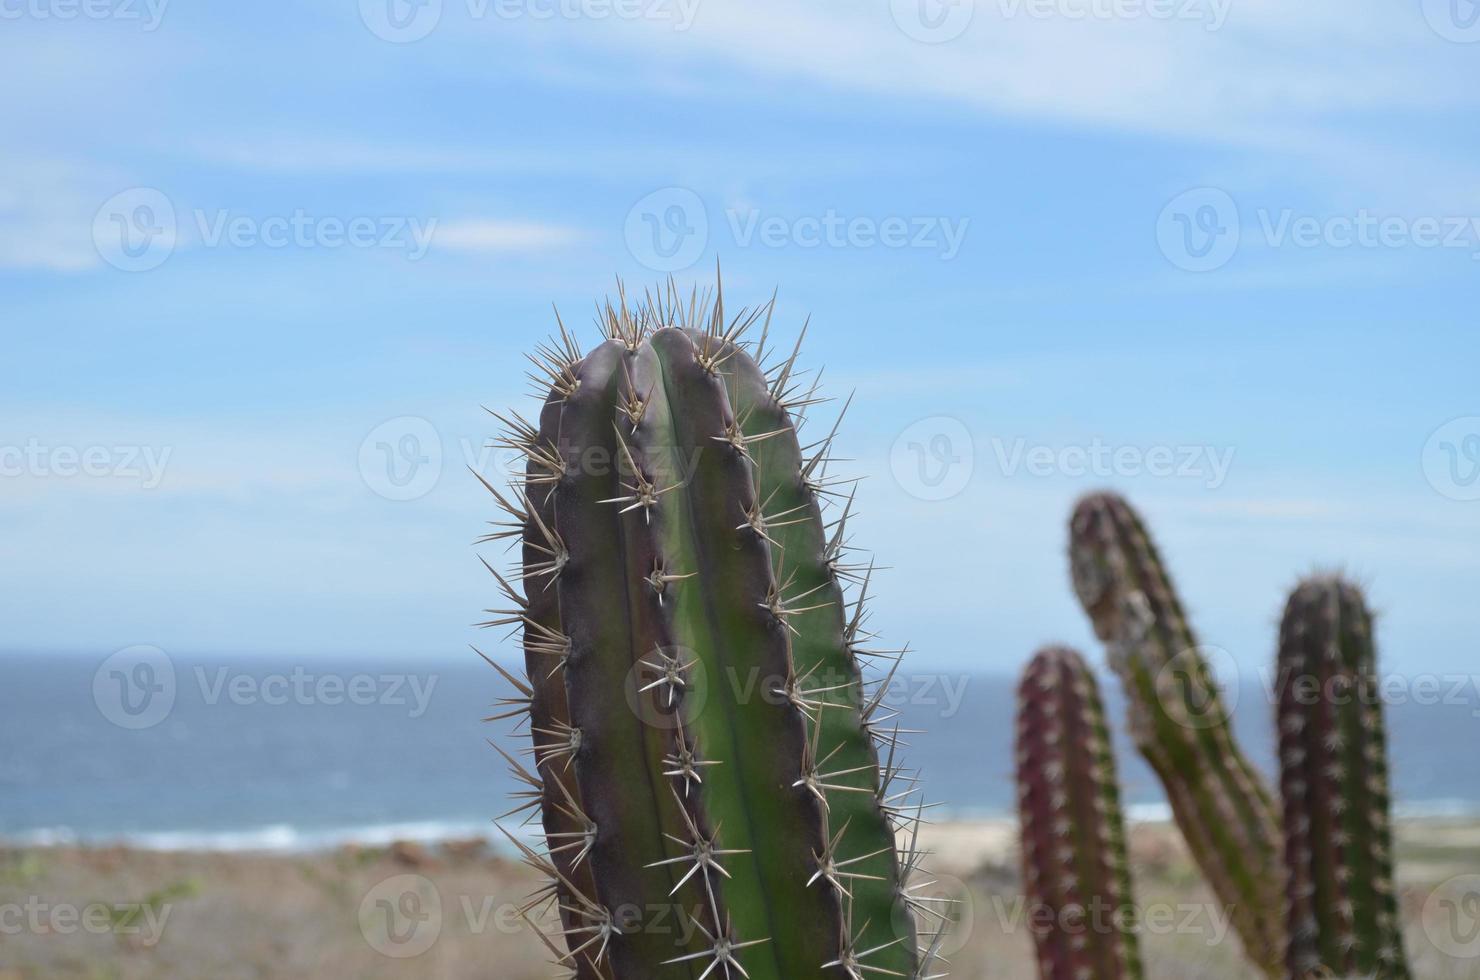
(111, 914)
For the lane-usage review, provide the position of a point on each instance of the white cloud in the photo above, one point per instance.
(1262, 78)
(300, 153)
(46, 213)
(486, 235)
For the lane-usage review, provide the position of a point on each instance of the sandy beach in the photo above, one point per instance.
(450, 910)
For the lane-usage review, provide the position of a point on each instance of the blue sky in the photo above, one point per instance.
(1224, 228)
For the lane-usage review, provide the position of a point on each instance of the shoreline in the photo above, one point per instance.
(979, 832)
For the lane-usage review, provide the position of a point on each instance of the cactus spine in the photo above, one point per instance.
(1073, 834)
(1218, 799)
(706, 750)
(1342, 907)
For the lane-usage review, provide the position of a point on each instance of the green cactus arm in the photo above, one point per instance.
(863, 805)
(1073, 833)
(755, 734)
(672, 635)
(1342, 905)
(1219, 800)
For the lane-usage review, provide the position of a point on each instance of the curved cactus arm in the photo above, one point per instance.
(1219, 800)
(1073, 833)
(1343, 912)
(752, 726)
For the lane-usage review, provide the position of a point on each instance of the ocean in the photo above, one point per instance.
(274, 754)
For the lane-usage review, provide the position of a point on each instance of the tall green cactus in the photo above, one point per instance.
(1218, 799)
(1342, 911)
(706, 762)
(1073, 834)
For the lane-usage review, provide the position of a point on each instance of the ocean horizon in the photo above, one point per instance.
(282, 754)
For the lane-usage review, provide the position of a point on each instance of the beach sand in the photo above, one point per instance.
(448, 911)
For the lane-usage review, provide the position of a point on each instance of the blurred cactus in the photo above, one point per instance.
(1073, 834)
(1343, 912)
(1218, 799)
(705, 745)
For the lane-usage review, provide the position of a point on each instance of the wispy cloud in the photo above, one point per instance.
(489, 235)
(46, 213)
(1223, 72)
(304, 154)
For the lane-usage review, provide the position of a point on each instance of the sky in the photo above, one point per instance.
(262, 266)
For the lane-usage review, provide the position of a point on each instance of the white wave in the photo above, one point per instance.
(272, 838)
(1149, 812)
(1436, 809)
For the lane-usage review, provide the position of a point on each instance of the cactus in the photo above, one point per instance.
(1342, 908)
(705, 747)
(1073, 834)
(1219, 800)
